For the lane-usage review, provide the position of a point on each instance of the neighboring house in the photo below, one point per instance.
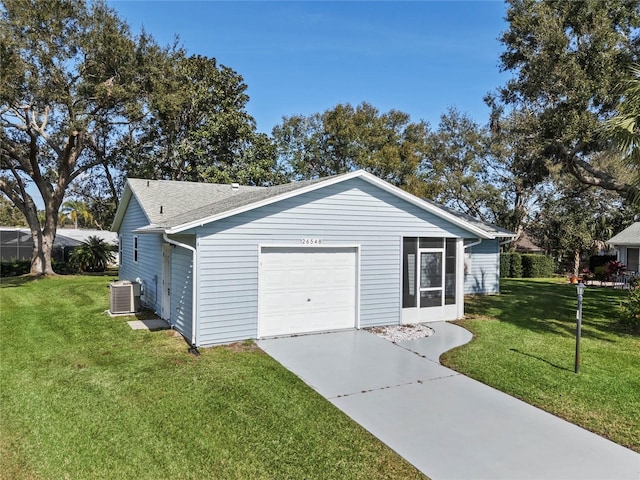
(347, 251)
(17, 243)
(525, 244)
(627, 243)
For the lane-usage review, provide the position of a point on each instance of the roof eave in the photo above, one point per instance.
(150, 229)
(122, 208)
(124, 204)
(252, 206)
(428, 207)
(335, 180)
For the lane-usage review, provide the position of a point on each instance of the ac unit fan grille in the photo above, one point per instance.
(121, 299)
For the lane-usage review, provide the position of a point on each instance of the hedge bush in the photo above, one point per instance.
(505, 268)
(537, 266)
(516, 265)
(630, 317)
(513, 265)
(15, 268)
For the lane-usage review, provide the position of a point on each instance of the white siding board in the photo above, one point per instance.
(149, 266)
(350, 213)
(484, 277)
(181, 291)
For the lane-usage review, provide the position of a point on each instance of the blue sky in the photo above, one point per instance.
(302, 57)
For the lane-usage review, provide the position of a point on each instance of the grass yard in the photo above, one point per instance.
(82, 396)
(524, 344)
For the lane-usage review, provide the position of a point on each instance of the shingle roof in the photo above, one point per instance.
(629, 236)
(226, 203)
(187, 204)
(177, 198)
(487, 227)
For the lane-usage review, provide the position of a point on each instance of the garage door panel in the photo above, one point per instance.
(307, 289)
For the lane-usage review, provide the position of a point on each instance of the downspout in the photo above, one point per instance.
(194, 293)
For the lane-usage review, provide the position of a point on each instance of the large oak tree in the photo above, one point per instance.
(85, 102)
(624, 128)
(71, 74)
(345, 138)
(198, 128)
(569, 60)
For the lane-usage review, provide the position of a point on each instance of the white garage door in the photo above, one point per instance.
(306, 289)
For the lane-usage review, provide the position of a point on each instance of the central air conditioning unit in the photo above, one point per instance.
(124, 297)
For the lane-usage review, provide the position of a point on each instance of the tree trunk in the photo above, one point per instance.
(576, 262)
(43, 237)
(41, 256)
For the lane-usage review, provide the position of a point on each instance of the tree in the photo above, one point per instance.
(459, 170)
(10, 216)
(567, 59)
(575, 219)
(624, 128)
(72, 75)
(94, 255)
(77, 212)
(198, 128)
(345, 138)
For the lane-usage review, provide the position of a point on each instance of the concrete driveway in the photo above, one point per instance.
(447, 425)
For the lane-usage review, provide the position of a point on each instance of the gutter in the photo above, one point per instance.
(194, 293)
(474, 243)
(508, 240)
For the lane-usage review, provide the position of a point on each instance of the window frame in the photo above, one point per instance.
(136, 246)
(412, 252)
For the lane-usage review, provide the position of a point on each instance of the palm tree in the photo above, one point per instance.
(624, 129)
(92, 256)
(77, 212)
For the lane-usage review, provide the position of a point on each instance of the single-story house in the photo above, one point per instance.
(627, 244)
(223, 263)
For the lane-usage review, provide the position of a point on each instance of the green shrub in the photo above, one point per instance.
(92, 256)
(596, 261)
(511, 265)
(505, 268)
(537, 266)
(601, 273)
(64, 268)
(15, 268)
(630, 317)
(516, 265)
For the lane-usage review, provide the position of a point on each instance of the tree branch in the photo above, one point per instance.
(41, 129)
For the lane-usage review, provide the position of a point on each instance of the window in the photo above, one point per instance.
(633, 259)
(428, 272)
(120, 250)
(409, 268)
(450, 272)
(135, 249)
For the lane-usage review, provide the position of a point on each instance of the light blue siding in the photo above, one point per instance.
(484, 274)
(181, 288)
(352, 212)
(149, 266)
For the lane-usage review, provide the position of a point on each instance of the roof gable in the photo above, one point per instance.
(212, 202)
(629, 236)
(163, 199)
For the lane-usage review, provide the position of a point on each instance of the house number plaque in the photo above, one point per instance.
(311, 241)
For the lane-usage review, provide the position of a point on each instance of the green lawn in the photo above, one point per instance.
(84, 396)
(524, 344)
